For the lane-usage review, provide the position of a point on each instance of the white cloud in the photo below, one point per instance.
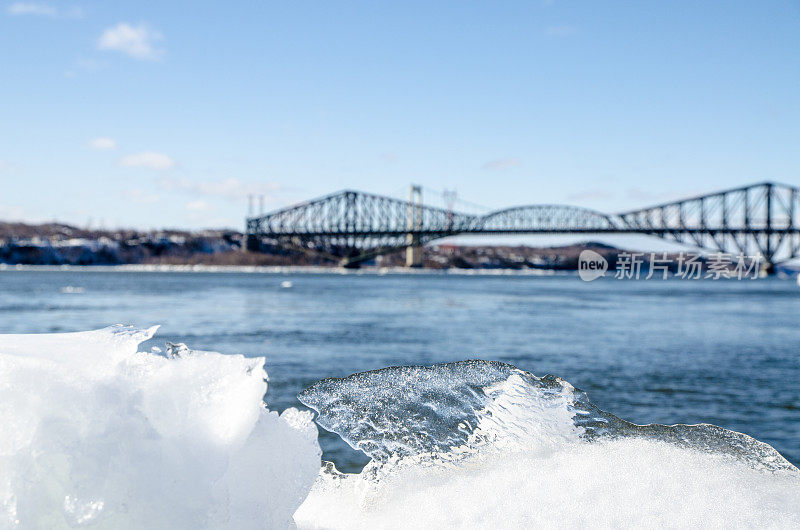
(502, 163)
(138, 42)
(43, 10)
(91, 65)
(32, 8)
(148, 159)
(11, 213)
(72, 12)
(102, 143)
(198, 206)
(141, 197)
(227, 188)
(588, 195)
(674, 195)
(561, 31)
(86, 65)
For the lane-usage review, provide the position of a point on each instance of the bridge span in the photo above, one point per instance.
(351, 226)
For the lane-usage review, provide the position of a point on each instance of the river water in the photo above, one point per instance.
(674, 351)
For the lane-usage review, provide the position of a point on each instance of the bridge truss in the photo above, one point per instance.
(349, 226)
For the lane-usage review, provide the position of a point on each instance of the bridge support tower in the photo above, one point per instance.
(414, 249)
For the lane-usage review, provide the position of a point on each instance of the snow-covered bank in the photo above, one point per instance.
(279, 269)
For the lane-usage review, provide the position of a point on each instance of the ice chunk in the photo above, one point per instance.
(451, 408)
(93, 431)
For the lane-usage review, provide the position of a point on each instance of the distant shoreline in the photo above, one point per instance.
(309, 270)
(279, 269)
(56, 247)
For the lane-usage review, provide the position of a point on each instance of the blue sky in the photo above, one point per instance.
(168, 114)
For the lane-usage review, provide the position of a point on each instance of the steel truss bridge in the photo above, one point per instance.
(350, 226)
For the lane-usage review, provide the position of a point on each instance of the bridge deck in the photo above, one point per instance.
(761, 219)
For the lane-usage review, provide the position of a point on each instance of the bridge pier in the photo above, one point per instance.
(414, 249)
(413, 252)
(252, 243)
